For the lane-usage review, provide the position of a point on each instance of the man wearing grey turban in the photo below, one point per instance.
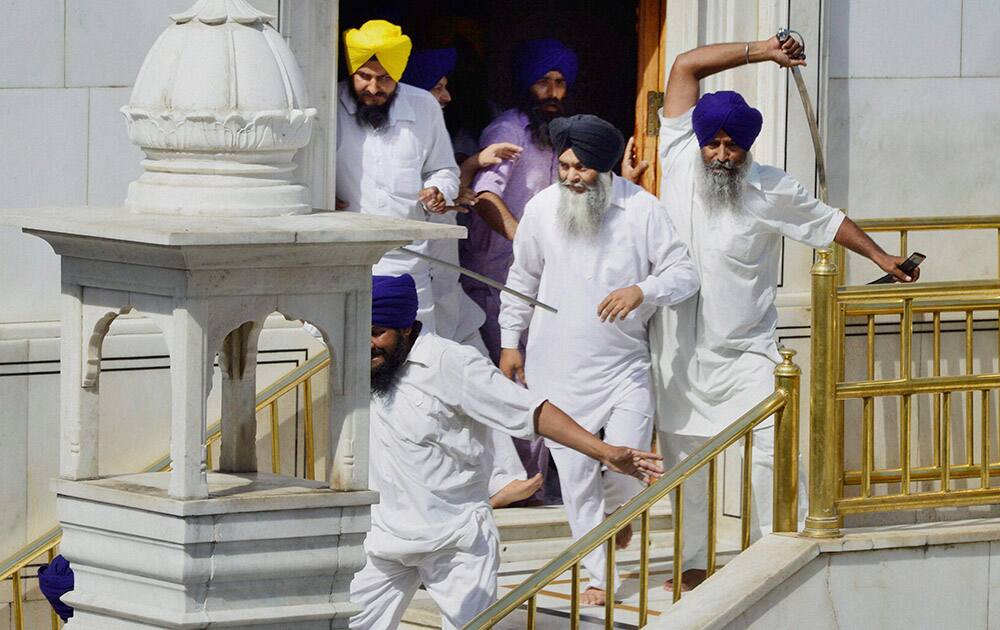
(604, 253)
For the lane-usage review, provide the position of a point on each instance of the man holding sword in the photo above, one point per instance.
(714, 355)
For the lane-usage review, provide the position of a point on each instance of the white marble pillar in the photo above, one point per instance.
(213, 238)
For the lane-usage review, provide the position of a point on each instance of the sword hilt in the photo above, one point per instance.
(784, 33)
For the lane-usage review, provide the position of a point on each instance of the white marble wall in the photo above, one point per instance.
(943, 586)
(914, 87)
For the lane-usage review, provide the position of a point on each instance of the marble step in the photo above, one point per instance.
(540, 533)
(553, 602)
(516, 524)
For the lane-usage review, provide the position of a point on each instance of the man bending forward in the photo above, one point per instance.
(434, 402)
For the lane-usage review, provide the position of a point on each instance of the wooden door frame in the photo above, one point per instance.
(650, 79)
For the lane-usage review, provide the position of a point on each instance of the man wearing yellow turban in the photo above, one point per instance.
(380, 39)
(394, 155)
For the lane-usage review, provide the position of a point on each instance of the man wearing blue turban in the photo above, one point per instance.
(714, 355)
(428, 69)
(544, 70)
(433, 405)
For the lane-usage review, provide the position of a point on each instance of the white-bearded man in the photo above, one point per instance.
(602, 251)
(714, 356)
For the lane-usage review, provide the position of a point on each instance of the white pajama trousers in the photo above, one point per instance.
(590, 494)
(675, 447)
(462, 583)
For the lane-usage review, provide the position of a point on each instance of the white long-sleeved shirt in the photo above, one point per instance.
(382, 172)
(585, 366)
(699, 345)
(428, 441)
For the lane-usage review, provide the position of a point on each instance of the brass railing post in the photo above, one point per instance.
(786, 446)
(823, 521)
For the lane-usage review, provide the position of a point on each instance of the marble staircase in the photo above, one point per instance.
(530, 537)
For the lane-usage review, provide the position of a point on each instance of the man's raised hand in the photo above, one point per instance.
(496, 153)
(786, 53)
(632, 167)
(633, 462)
(433, 200)
(620, 303)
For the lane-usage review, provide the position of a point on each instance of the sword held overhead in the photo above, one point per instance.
(783, 34)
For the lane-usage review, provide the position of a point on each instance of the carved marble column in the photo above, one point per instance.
(214, 237)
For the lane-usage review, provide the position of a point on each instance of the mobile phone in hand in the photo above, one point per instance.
(907, 266)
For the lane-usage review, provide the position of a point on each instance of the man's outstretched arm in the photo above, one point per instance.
(691, 67)
(857, 240)
(553, 423)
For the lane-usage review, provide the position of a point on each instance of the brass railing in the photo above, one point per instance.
(905, 225)
(783, 404)
(267, 399)
(837, 487)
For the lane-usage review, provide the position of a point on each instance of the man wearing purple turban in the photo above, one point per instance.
(714, 355)
(433, 405)
(544, 70)
(55, 580)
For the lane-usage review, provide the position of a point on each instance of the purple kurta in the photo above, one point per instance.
(514, 181)
(489, 253)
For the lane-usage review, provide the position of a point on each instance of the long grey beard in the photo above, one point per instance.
(582, 214)
(721, 184)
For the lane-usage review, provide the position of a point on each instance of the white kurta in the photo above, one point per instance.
(457, 316)
(382, 172)
(715, 353)
(427, 444)
(598, 372)
(585, 366)
(428, 441)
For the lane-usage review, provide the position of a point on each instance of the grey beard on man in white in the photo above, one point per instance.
(582, 213)
(721, 184)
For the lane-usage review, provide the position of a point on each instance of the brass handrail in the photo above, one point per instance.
(921, 224)
(832, 305)
(784, 401)
(905, 225)
(266, 399)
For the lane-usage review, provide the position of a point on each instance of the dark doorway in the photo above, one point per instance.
(486, 34)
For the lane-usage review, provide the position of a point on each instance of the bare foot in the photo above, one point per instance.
(689, 579)
(516, 491)
(623, 537)
(592, 597)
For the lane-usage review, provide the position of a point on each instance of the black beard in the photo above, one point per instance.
(385, 376)
(539, 119)
(375, 116)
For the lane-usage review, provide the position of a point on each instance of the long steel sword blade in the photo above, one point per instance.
(814, 131)
(478, 276)
(807, 107)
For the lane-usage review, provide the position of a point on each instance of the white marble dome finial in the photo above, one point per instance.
(222, 11)
(219, 108)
